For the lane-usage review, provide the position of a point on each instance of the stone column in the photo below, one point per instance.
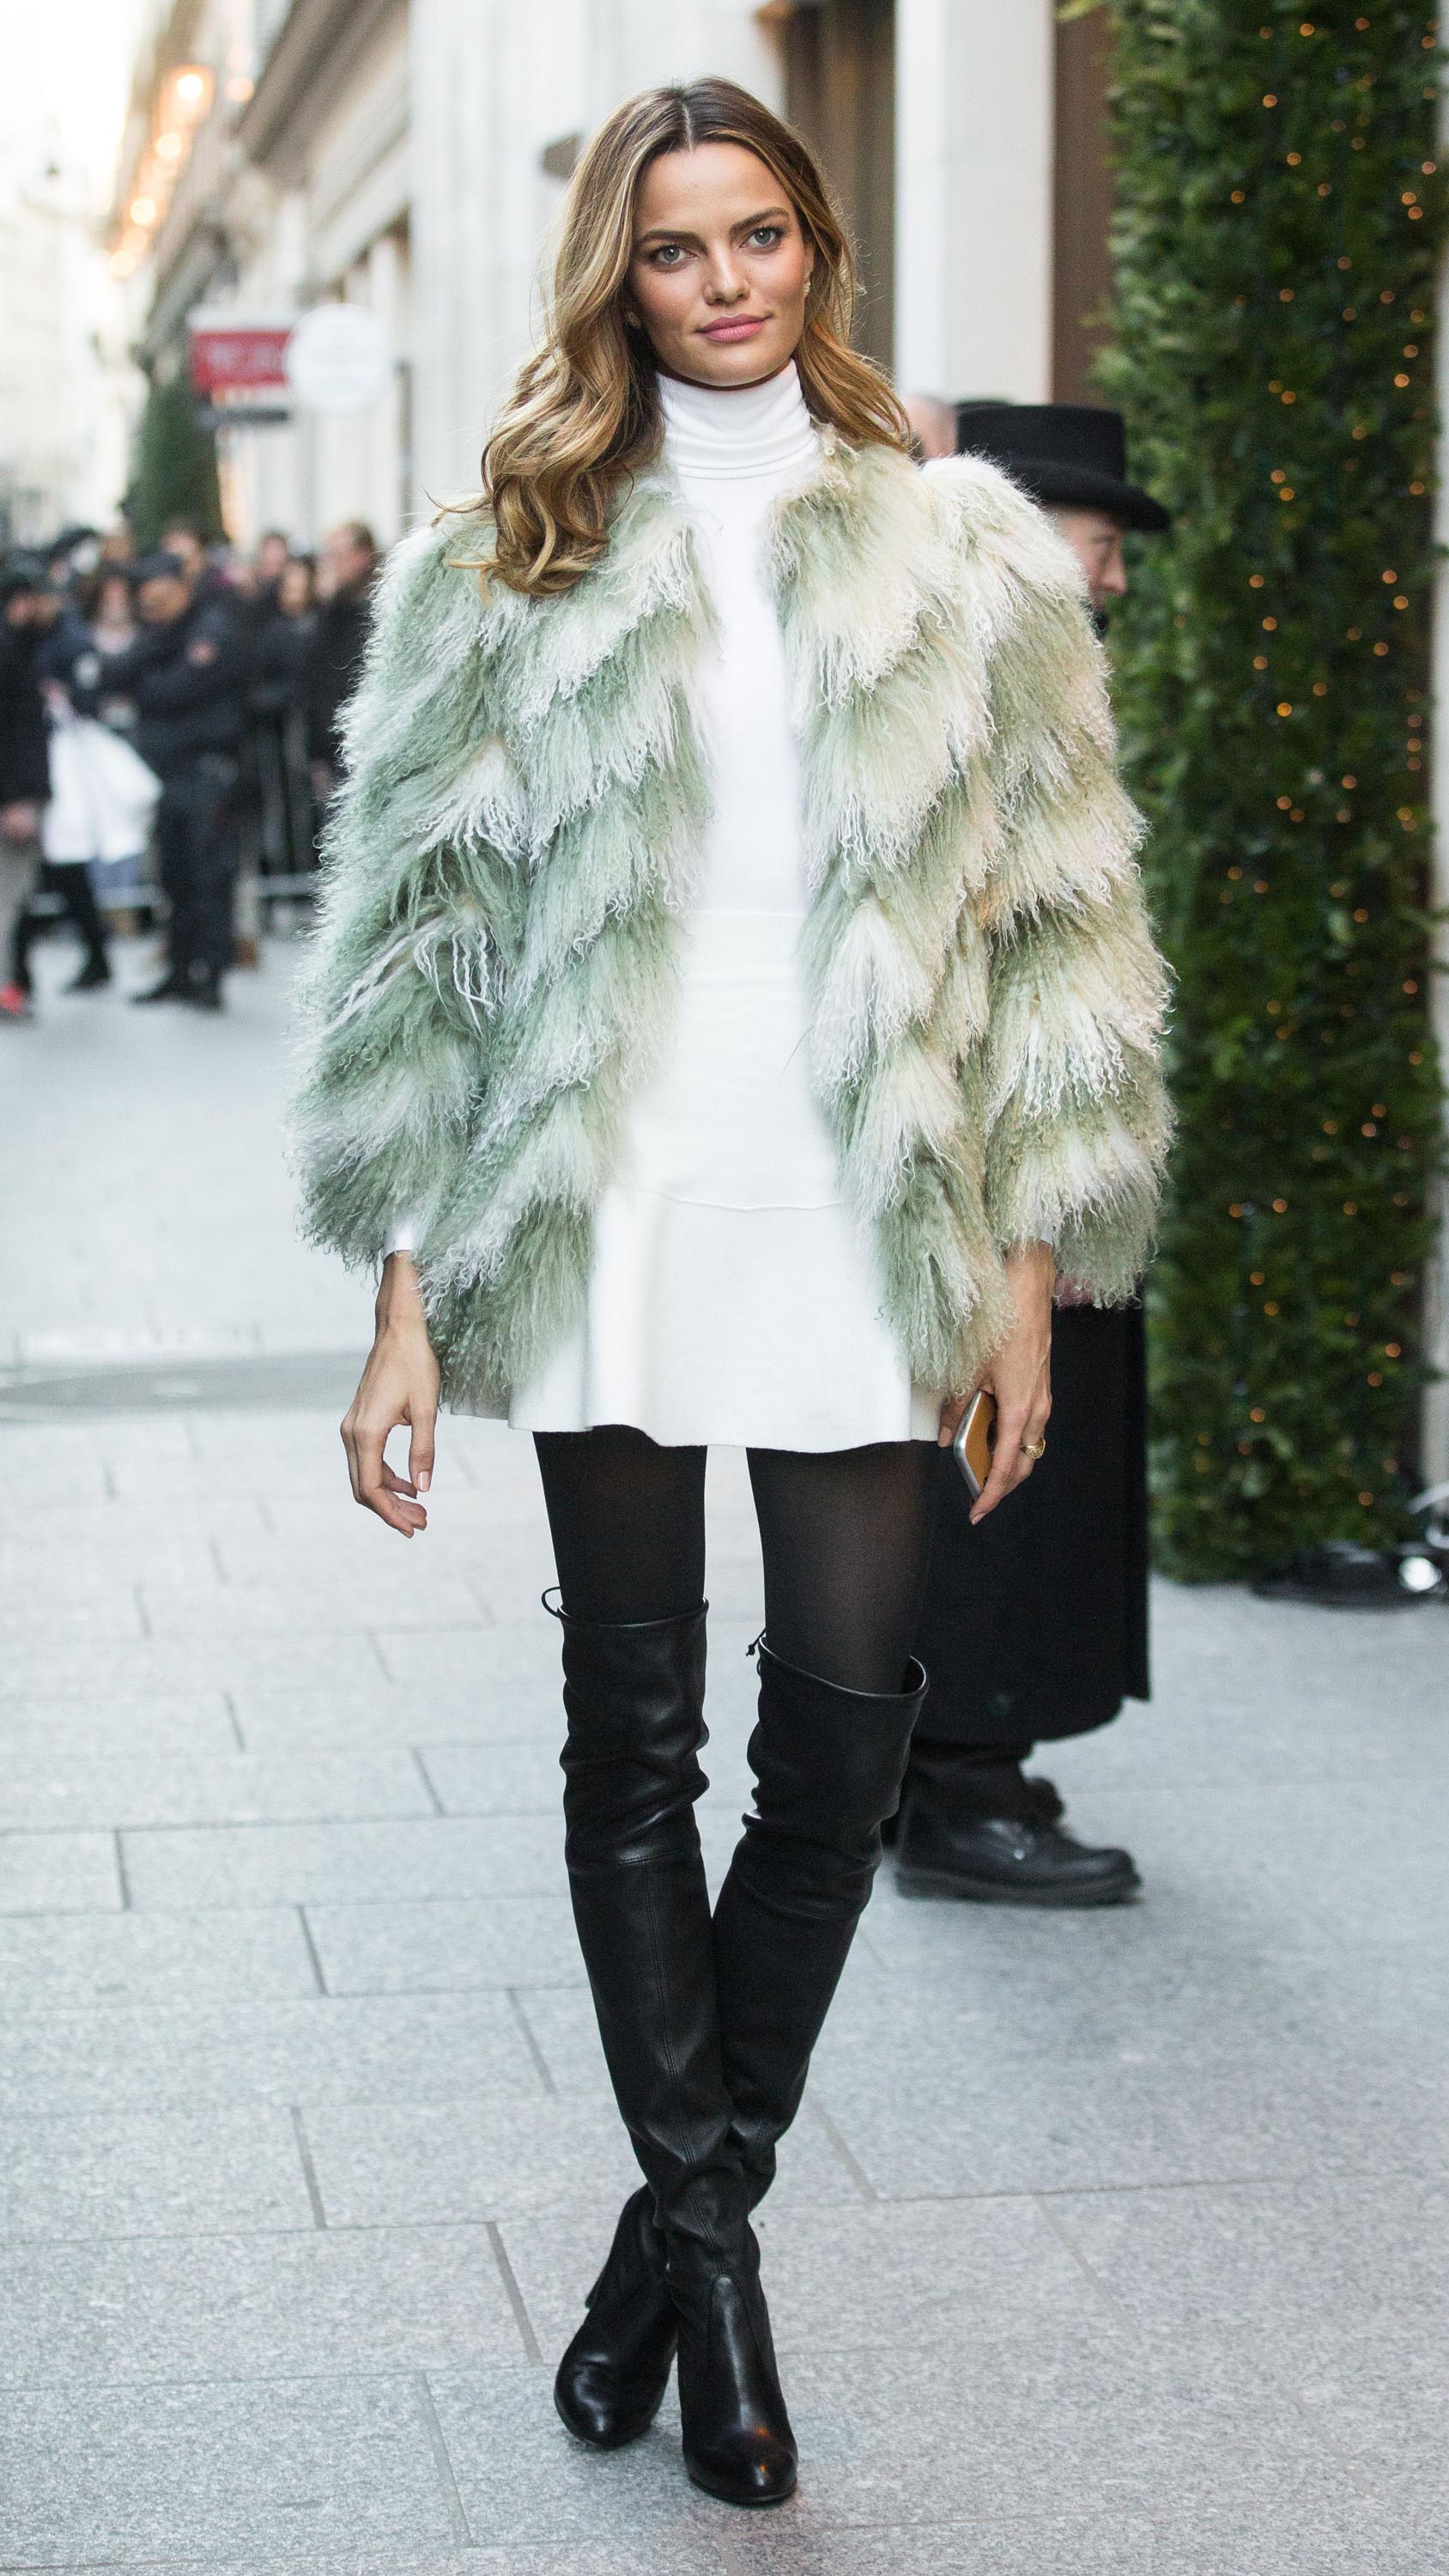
(974, 87)
(461, 168)
(493, 86)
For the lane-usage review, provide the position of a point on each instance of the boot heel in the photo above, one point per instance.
(738, 2443)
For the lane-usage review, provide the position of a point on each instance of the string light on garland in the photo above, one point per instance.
(1276, 349)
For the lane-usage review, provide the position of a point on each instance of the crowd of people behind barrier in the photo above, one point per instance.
(167, 720)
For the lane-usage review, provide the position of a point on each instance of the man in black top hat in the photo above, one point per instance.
(1069, 456)
(1034, 1624)
(186, 672)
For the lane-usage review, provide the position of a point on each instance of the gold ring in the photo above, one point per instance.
(1033, 1448)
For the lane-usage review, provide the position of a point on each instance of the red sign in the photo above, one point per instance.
(225, 356)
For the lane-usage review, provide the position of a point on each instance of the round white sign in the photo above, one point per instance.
(338, 358)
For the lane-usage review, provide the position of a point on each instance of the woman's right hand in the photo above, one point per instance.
(399, 1384)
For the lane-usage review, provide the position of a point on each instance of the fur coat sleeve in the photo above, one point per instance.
(1077, 1119)
(418, 913)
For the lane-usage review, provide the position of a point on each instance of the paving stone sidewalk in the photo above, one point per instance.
(1115, 2243)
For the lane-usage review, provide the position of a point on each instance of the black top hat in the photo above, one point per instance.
(1072, 454)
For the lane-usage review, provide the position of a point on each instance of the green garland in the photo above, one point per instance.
(1280, 217)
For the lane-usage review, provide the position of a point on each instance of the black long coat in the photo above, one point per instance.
(24, 745)
(334, 665)
(1034, 1624)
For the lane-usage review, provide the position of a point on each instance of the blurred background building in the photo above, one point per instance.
(407, 159)
(67, 387)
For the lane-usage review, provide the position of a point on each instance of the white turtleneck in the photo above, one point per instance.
(733, 451)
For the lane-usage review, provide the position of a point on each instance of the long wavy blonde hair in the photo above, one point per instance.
(584, 412)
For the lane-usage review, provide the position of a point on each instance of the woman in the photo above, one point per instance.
(125, 886)
(284, 634)
(104, 797)
(733, 996)
(99, 820)
(97, 816)
(104, 602)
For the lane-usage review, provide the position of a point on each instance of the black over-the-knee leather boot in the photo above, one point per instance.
(634, 1695)
(828, 1765)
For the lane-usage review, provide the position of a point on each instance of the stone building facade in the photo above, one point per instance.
(410, 155)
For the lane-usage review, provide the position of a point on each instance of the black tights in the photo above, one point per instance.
(844, 1534)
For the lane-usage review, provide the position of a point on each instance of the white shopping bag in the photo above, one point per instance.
(102, 795)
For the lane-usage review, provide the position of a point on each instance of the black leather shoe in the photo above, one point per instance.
(172, 988)
(1007, 1860)
(613, 2376)
(95, 972)
(738, 2444)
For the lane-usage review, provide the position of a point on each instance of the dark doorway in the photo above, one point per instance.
(1083, 203)
(840, 90)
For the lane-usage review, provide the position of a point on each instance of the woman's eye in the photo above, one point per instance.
(766, 235)
(667, 255)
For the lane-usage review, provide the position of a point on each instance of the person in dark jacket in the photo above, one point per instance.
(283, 638)
(1034, 1624)
(206, 575)
(345, 575)
(24, 757)
(187, 674)
(270, 566)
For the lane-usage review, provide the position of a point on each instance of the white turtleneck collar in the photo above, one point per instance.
(716, 432)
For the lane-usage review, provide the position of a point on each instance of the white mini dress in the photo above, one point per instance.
(733, 1295)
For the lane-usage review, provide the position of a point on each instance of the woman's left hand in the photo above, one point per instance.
(1019, 1376)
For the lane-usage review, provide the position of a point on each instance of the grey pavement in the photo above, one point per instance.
(1110, 2242)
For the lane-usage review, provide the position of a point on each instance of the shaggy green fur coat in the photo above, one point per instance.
(509, 880)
